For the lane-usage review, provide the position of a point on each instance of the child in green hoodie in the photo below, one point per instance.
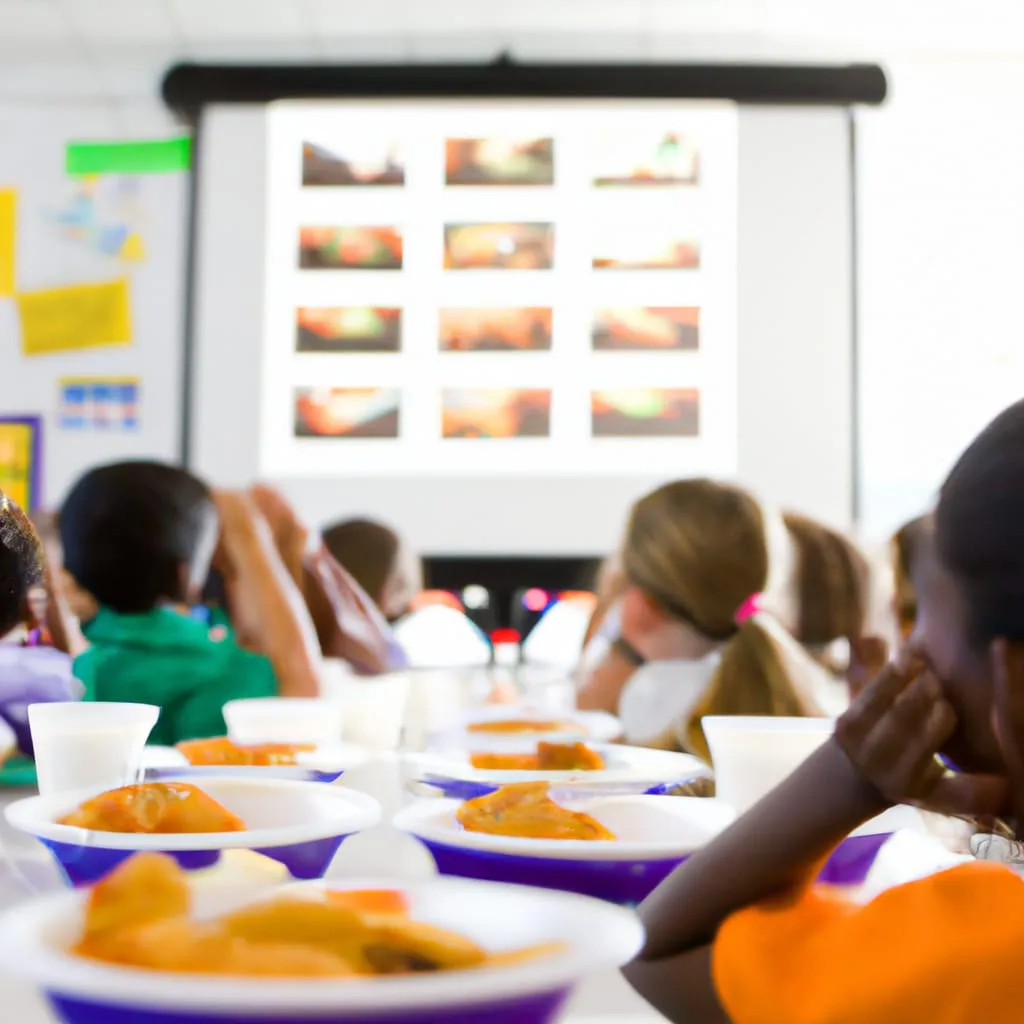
(140, 537)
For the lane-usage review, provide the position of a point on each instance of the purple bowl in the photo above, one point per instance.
(83, 865)
(852, 859)
(537, 1009)
(297, 824)
(627, 883)
(593, 937)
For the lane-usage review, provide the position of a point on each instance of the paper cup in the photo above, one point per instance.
(751, 755)
(85, 745)
(373, 708)
(284, 720)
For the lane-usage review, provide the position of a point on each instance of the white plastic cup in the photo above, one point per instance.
(84, 745)
(285, 720)
(751, 755)
(375, 708)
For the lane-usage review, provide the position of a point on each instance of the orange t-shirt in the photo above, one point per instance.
(947, 949)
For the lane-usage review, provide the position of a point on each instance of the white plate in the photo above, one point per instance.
(327, 758)
(625, 766)
(646, 828)
(277, 813)
(598, 938)
(588, 726)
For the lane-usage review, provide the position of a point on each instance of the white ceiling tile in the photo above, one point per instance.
(345, 17)
(43, 79)
(239, 19)
(366, 49)
(41, 20)
(254, 50)
(134, 72)
(112, 22)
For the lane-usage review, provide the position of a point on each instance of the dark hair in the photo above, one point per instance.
(367, 549)
(979, 529)
(128, 528)
(833, 582)
(21, 563)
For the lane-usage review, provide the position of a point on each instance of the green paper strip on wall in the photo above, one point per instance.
(158, 156)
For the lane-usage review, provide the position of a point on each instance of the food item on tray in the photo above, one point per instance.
(516, 725)
(140, 916)
(154, 807)
(549, 757)
(525, 810)
(224, 752)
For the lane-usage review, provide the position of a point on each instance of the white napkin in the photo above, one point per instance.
(905, 857)
(998, 850)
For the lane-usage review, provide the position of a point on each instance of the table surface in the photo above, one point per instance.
(26, 868)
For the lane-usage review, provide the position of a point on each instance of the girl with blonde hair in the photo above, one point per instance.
(707, 596)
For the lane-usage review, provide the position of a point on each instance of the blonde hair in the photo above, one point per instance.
(699, 550)
(833, 583)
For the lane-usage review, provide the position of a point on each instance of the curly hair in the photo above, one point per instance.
(21, 563)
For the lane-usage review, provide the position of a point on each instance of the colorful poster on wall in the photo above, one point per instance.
(99, 403)
(81, 316)
(8, 239)
(21, 443)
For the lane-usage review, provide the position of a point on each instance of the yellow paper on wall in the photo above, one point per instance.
(78, 317)
(8, 239)
(16, 469)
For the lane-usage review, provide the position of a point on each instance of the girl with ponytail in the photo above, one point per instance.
(704, 612)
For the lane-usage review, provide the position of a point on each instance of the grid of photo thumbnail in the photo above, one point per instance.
(527, 253)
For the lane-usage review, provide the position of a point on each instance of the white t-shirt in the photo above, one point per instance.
(660, 694)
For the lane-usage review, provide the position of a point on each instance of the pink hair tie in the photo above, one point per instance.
(750, 607)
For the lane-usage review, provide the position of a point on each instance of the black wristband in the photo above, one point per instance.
(627, 652)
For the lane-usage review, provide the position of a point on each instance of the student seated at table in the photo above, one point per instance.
(379, 561)
(348, 622)
(696, 623)
(822, 594)
(740, 934)
(904, 547)
(139, 537)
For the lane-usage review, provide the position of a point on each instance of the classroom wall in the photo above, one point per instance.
(939, 222)
(33, 138)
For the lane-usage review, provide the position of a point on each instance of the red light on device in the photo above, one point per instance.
(505, 636)
(535, 600)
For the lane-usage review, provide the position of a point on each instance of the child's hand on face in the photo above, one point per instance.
(892, 734)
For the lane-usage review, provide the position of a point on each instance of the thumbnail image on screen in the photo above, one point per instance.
(645, 412)
(348, 329)
(495, 412)
(347, 412)
(495, 329)
(501, 161)
(350, 248)
(499, 246)
(646, 328)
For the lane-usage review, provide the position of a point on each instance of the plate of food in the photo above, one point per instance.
(147, 944)
(594, 766)
(299, 824)
(616, 848)
(221, 756)
(510, 727)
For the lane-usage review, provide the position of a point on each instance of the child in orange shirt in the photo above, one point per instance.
(738, 933)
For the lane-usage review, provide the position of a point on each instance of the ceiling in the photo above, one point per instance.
(119, 48)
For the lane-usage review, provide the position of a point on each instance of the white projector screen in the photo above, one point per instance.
(506, 342)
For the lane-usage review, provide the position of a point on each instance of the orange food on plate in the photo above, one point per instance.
(550, 757)
(140, 916)
(526, 811)
(222, 751)
(154, 807)
(513, 725)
